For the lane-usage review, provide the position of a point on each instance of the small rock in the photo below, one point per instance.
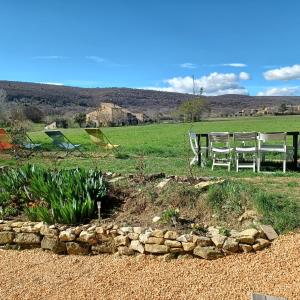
(202, 241)
(172, 244)
(155, 240)
(155, 219)
(137, 246)
(185, 238)
(133, 236)
(168, 257)
(121, 240)
(261, 244)
(87, 237)
(185, 256)
(248, 236)
(231, 245)
(124, 250)
(269, 231)
(218, 240)
(171, 235)
(67, 236)
(163, 183)
(27, 238)
(245, 248)
(208, 252)
(188, 246)
(158, 233)
(138, 230)
(106, 247)
(77, 249)
(248, 215)
(144, 237)
(53, 244)
(156, 249)
(6, 237)
(46, 230)
(126, 229)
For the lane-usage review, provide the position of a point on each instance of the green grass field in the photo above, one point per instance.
(161, 147)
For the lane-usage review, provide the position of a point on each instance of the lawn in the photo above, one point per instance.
(157, 147)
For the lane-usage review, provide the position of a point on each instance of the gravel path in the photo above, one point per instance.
(34, 274)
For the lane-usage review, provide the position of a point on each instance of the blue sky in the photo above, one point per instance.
(231, 46)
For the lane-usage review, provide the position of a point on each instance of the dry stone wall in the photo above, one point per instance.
(113, 239)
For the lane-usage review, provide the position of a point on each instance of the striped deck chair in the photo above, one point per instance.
(60, 141)
(100, 139)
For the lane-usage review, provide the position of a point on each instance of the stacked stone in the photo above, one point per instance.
(110, 238)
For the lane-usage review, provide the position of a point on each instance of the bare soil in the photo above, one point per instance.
(34, 274)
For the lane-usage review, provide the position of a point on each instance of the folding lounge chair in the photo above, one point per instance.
(219, 146)
(100, 139)
(62, 142)
(5, 141)
(197, 154)
(29, 146)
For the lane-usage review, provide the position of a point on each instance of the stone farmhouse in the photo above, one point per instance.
(109, 114)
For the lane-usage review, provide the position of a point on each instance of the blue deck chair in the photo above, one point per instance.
(62, 142)
(30, 147)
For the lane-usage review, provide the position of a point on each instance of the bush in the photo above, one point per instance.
(65, 196)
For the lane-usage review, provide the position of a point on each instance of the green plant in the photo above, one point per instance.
(170, 215)
(224, 231)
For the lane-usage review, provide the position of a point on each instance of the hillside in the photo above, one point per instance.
(53, 99)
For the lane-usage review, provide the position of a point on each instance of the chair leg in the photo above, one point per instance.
(284, 162)
(258, 163)
(237, 163)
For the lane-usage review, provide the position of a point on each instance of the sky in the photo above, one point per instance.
(228, 47)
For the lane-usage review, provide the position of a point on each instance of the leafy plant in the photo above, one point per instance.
(170, 215)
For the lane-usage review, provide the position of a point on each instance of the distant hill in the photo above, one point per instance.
(54, 99)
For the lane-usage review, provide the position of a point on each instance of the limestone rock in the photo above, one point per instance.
(168, 257)
(176, 250)
(171, 235)
(269, 231)
(248, 236)
(173, 244)
(121, 240)
(158, 233)
(218, 240)
(137, 246)
(106, 247)
(185, 256)
(156, 249)
(27, 238)
(231, 245)
(185, 238)
(245, 248)
(202, 241)
(124, 250)
(208, 252)
(6, 237)
(53, 244)
(155, 240)
(46, 230)
(163, 183)
(17, 224)
(155, 219)
(87, 237)
(261, 244)
(188, 246)
(144, 237)
(67, 236)
(126, 229)
(77, 249)
(133, 236)
(138, 229)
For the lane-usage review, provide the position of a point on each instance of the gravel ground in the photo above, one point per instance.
(35, 274)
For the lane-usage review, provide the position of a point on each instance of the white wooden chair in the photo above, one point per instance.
(245, 143)
(195, 150)
(219, 146)
(264, 147)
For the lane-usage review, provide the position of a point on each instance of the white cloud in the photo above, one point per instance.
(188, 66)
(52, 83)
(50, 57)
(213, 84)
(281, 91)
(284, 73)
(244, 76)
(235, 65)
(97, 59)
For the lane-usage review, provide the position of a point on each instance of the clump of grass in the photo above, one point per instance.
(278, 210)
(293, 184)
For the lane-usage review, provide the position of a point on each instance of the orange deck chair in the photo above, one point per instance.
(5, 140)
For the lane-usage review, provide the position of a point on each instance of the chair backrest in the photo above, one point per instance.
(276, 136)
(56, 136)
(244, 136)
(96, 136)
(193, 142)
(219, 139)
